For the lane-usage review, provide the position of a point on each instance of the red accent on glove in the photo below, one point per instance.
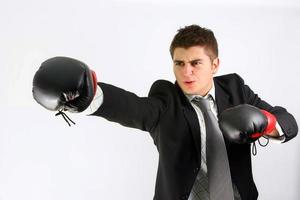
(270, 127)
(271, 122)
(94, 76)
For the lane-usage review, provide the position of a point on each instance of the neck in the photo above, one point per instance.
(206, 90)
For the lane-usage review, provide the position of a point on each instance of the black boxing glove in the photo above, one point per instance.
(64, 84)
(245, 123)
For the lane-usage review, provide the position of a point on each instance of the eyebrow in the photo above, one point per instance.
(178, 61)
(181, 61)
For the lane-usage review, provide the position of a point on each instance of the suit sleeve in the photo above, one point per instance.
(286, 121)
(129, 110)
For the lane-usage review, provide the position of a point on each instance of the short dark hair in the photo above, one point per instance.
(195, 35)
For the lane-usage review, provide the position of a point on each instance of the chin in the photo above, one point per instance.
(189, 92)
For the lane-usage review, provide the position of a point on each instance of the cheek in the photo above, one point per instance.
(177, 73)
(203, 75)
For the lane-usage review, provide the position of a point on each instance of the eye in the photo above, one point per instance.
(179, 63)
(196, 63)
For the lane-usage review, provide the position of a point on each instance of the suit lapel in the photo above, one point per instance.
(192, 120)
(223, 102)
(222, 98)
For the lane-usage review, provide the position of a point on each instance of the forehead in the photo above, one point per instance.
(191, 53)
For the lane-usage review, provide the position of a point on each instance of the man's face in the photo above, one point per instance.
(194, 70)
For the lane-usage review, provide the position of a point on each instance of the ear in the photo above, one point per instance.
(215, 65)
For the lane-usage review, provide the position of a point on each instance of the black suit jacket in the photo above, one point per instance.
(173, 124)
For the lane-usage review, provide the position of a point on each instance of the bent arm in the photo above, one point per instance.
(285, 120)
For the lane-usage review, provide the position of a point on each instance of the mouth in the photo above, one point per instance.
(188, 82)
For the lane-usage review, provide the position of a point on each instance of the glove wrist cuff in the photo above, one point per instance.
(271, 125)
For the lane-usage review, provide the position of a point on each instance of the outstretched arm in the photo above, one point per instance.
(127, 109)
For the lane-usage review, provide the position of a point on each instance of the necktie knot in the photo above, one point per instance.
(202, 103)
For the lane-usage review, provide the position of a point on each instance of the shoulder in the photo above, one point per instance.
(233, 77)
(162, 83)
(162, 86)
(229, 80)
(232, 85)
(167, 91)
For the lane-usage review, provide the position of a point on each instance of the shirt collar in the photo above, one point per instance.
(211, 93)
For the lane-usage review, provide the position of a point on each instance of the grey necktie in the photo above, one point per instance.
(218, 173)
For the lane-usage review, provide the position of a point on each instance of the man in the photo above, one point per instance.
(175, 119)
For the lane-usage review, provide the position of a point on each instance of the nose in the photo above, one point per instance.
(187, 69)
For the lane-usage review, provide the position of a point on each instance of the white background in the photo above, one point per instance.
(126, 43)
